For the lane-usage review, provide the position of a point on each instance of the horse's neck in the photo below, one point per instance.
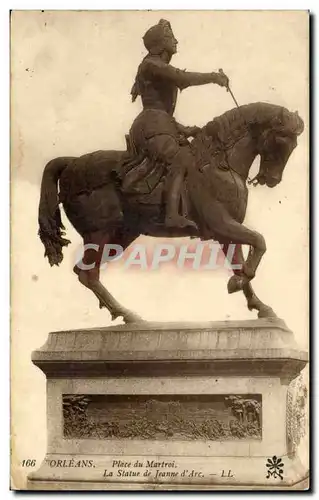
(249, 120)
(243, 124)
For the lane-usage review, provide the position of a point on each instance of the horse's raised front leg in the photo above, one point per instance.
(88, 271)
(253, 302)
(225, 228)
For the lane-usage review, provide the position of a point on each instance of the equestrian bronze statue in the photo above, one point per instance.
(166, 185)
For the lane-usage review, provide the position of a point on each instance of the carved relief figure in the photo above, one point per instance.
(245, 410)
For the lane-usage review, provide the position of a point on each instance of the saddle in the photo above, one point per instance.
(146, 177)
(139, 174)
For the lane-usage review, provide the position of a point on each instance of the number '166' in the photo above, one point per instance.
(28, 463)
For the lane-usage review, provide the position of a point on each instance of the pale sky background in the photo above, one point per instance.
(71, 78)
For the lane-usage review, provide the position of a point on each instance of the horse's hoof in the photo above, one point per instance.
(235, 284)
(266, 312)
(130, 317)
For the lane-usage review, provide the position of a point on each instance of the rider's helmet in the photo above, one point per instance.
(159, 38)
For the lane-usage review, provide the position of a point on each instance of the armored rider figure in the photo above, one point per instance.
(155, 132)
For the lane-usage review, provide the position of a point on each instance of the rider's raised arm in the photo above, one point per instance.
(182, 78)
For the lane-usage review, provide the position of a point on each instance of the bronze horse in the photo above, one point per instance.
(216, 196)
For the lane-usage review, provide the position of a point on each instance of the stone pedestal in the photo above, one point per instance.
(170, 407)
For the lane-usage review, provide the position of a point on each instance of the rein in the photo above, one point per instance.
(229, 146)
(253, 181)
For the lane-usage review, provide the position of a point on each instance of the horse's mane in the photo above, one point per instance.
(235, 122)
(225, 130)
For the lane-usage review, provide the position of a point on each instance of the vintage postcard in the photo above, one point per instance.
(160, 235)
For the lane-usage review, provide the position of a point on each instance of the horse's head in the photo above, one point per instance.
(275, 145)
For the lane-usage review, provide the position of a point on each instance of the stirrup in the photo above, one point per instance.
(180, 222)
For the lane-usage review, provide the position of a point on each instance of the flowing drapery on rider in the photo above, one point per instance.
(155, 132)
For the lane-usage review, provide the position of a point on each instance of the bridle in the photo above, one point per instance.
(255, 180)
(247, 129)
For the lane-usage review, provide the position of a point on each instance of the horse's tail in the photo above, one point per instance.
(50, 224)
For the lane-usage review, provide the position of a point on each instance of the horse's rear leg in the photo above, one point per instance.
(88, 271)
(253, 302)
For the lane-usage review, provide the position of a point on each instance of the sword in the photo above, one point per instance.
(229, 89)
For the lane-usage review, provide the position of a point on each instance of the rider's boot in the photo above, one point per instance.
(173, 218)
